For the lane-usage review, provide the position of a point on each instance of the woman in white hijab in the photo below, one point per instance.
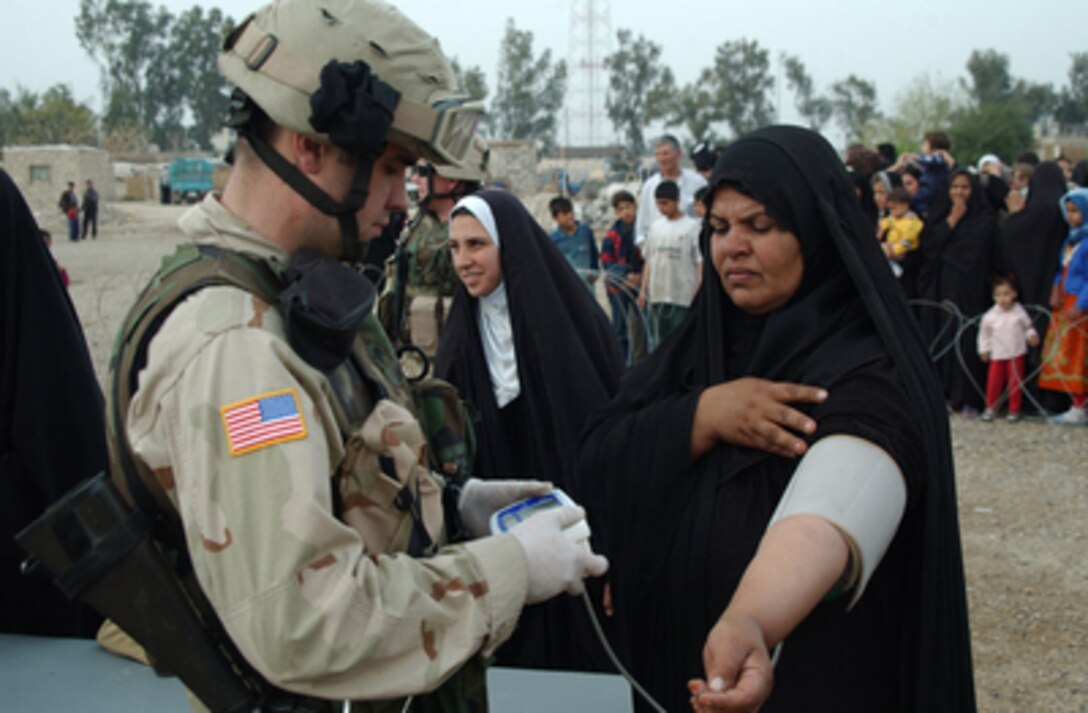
(535, 354)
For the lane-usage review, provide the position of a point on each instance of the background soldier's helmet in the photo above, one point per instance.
(334, 70)
(474, 166)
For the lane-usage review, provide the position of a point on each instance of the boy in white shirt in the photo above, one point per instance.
(673, 265)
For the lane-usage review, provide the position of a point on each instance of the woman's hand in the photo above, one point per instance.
(754, 413)
(1014, 201)
(1056, 301)
(958, 210)
(739, 675)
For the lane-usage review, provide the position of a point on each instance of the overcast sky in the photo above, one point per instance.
(888, 43)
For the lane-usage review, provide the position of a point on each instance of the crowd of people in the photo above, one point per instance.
(70, 205)
(766, 472)
(954, 238)
(983, 252)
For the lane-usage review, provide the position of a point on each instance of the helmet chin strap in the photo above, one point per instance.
(352, 249)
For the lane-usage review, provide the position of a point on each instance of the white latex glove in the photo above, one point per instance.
(555, 563)
(480, 498)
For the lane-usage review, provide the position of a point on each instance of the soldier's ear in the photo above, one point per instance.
(309, 155)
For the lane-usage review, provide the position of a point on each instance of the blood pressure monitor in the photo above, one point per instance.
(504, 519)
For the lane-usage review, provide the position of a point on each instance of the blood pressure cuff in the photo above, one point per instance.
(858, 488)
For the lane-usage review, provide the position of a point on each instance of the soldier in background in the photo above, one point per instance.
(419, 276)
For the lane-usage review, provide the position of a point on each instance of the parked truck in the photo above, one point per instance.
(190, 179)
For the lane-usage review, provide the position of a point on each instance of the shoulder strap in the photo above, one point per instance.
(190, 269)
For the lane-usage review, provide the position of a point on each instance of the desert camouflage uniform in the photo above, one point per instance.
(319, 605)
(429, 290)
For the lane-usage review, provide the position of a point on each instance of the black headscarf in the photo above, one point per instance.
(1029, 248)
(569, 362)
(569, 365)
(864, 185)
(1031, 239)
(848, 317)
(52, 433)
(958, 265)
(1080, 173)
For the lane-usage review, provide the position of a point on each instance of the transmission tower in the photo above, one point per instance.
(590, 41)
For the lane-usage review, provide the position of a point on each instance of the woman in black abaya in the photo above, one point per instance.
(52, 433)
(707, 433)
(959, 253)
(531, 349)
(1029, 248)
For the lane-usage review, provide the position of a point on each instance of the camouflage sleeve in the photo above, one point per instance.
(244, 434)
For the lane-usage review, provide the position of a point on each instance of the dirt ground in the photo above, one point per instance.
(1023, 493)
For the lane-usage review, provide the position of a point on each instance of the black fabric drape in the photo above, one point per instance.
(958, 266)
(1080, 173)
(680, 533)
(569, 365)
(52, 433)
(1031, 239)
(1029, 248)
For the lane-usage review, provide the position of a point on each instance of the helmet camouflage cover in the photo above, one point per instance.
(277, 55)
(472, 168)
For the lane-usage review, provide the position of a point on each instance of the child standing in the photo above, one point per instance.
(901, 229)
(1065, 353)
(1003, 340)
(622, 261)
(575, 240)
(47, 237)
(673, 265)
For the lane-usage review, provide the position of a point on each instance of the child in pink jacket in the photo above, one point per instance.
(1003, 340)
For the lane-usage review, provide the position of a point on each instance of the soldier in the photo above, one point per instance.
(420, 274)
(245, 401)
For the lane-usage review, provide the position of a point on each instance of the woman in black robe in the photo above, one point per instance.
(535, 355)
(959, 252)
(1030, 246)
(52, 433)
(1080, 173)
(682, 523)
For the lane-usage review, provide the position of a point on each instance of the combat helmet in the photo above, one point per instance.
(474, 166)
(350, 73)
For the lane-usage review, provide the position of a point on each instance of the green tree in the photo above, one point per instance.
(158, 70)
(1072, 106)
(696, 109)
(742, 83)
(471, 79)
(924, 105)
(127, 39)
(530, 90)
(816, 110)
(1002, 128)
(854, 105)
(639, 88)
(195, 39)
(54, 117)
(990, 81)
(1003, 109)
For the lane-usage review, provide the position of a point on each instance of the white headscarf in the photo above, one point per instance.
(493, 318)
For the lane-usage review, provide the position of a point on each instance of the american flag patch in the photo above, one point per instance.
(263, 420)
